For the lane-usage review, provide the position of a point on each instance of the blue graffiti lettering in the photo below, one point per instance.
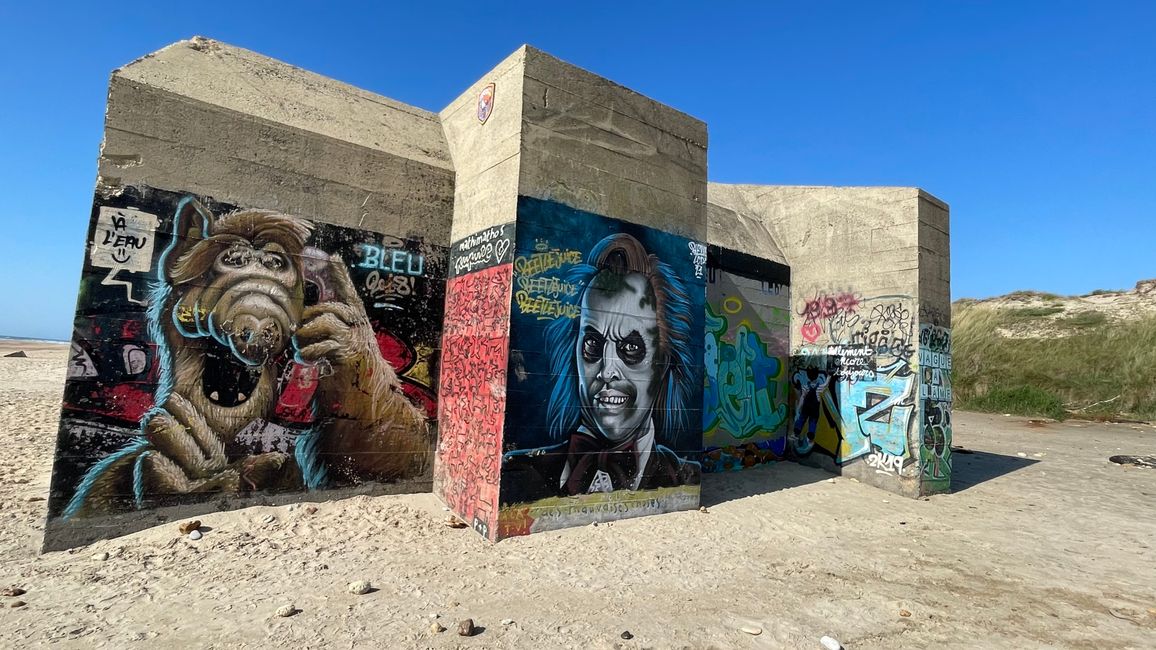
(741, 395)
(877, 414)
(391, 260)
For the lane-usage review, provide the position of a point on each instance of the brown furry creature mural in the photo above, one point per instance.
(228, 314)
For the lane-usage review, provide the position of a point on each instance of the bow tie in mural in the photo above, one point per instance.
(599, 465)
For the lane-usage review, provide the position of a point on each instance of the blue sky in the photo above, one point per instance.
(1035, 121)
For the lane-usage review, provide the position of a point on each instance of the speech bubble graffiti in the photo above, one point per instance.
(123, 240)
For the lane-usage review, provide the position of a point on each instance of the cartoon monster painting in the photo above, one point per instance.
(237, 299)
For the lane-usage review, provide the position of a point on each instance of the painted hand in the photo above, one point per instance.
(186, 456)
(373, 432)
(338, 333)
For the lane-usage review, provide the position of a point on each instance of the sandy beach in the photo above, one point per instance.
(1045, 543)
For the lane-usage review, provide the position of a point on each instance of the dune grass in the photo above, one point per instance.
(1082, 319)
(1029, 313)
(1113, 363)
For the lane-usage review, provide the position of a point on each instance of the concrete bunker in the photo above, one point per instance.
(532, 302)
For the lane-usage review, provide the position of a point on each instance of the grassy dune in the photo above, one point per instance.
(1073, 359)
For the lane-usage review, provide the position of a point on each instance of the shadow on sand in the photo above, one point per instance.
(970, 468)
(720, 487)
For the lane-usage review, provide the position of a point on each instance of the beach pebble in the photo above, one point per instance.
(100, 557)
(752, 630)
(1021, 454)
(627, 635)
(13, 591)
(195, 535)
(17, 603)
(466, 627)
(507, 621)
(359, 587)
(830, 644)
(904, 613)
(436, 628)
(268, 519)
(285, 611)
(454, 522)
(187, 527)
(703, 509)
(309, 510)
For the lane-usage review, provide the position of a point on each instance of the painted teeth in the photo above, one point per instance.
(613, 401)
(216, 397)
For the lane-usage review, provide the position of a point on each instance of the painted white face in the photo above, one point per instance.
(617, 343)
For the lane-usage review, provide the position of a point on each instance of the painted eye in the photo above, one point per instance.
(591, 348)
(273, 261)
(632, 349)
(236, 256)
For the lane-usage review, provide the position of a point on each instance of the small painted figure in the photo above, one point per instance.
(811, 384)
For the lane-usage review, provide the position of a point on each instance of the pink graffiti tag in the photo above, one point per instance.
(811, 332)
(825, 307)
(847, 302)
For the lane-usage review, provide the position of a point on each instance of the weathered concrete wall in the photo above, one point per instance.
(219, 352)
(486, 153)
(743, 233)
(484, 129)
(215, 120)
(858, 288)
(934, 261)
(935, 343)
(602, 148)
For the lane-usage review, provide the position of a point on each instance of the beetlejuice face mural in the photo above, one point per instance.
(283, 357)
(619, 345)
(616, 329)
(624, 353)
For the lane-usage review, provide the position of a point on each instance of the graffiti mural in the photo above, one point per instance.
(745, 399)
(811, 384)
(824, 308)
(604, 403)
(935, 393)
(230, 350)
(855, 381)
(878, 414)
(472, 398)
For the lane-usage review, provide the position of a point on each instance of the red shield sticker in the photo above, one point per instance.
(485, 103)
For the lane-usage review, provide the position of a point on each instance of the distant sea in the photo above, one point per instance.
(27, 338)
